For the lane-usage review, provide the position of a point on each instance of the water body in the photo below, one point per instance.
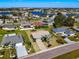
(40, 13)
(72, 14)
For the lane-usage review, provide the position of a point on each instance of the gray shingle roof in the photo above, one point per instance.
(12, 39)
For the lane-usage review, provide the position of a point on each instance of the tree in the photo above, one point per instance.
(69, 21)
(59, 20)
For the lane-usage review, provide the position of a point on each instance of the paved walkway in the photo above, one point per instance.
(68, 40)
(40, 44)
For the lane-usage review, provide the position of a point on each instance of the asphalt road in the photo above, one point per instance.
(54, 52)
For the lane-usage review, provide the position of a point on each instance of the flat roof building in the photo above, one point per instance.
(21, 51)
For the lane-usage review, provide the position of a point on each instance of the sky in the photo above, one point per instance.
(40, 3)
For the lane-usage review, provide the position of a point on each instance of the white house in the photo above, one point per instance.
(9, 27)
(26, 25)
(77, 19)
(1, 21)
(40, 34)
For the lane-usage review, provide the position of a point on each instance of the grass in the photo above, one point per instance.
(35, 46)
(6, 54)
(74, 38)
(42, 27)
(76, 24)
(70, 55)
(53, 41)
(59, 39)
(12, 51)
(27, 42)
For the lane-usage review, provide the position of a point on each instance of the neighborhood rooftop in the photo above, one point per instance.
(59, 30)
(21, 51)
(11, 39)
(40, 34)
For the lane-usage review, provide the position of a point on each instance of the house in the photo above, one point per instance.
(26, 14)
(9, 21)
(77, 19)
(38, 37)
(50, 21)
(15, 41)
(63, 31)
(69, 33)
(26, 25)
(59, 30)
(9, 27)
(11, 39)
(40, 34)
(39, 23)
(21, 51)
(1, 21)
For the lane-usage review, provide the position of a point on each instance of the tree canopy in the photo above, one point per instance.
(61, 20)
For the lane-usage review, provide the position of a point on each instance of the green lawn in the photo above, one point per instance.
(76, 24)
(6, 54)
(42, 27)
(27, 42)
(35, 46)
(71, 55)
(74, 38)
(53, 41)
(59, 39)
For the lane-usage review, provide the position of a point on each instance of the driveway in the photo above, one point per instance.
(68, 40)
(40, 44)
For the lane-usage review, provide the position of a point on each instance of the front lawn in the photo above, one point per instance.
(74, 38)
(70, 55)
(27, 42)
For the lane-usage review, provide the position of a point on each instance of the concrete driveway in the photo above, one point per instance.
(40, 44)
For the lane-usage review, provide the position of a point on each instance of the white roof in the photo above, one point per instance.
(21, 51)
(39, 34)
